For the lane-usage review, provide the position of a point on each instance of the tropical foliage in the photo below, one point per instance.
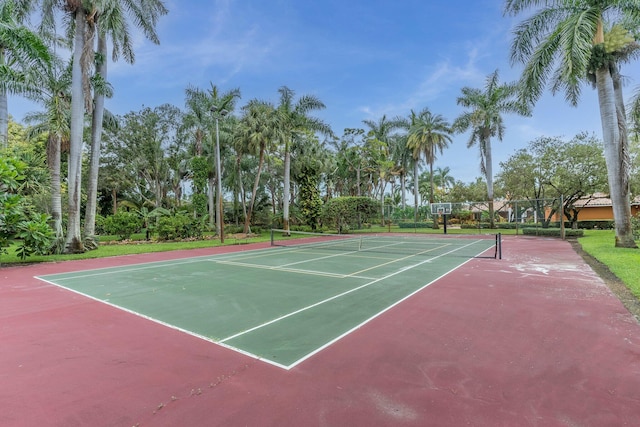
(217, 165)
(18, 220)
(569, 42)
(483, 118)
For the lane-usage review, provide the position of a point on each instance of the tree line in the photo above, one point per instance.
(221, 159)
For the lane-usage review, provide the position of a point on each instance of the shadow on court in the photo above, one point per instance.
(534, 339)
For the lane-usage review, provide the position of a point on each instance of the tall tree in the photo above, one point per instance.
(109, 19)
(310, 156)
(381, 131)
(222, 104)
(443, 179)
(565, 41)
(257, 131)
(54, 121)
(205, 109)
(292, 118)
(76, 17)
(429, 134)
(80, 17)
(22, 54)
(140, 149)
(349, 161)
(484, 119)
(403, 158)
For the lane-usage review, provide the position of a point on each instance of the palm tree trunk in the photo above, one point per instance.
(211, 187)
(4, 119)
(382, 185)
(615, 151)
(241, 190)
(158, 192)
(4, 110)
(415, 191)
(430, 182)
(247, 220)
(74, 238)
(53, 159)
(403, 187)
(489, 176)
(435, 222)
(96, 141)
(287, 189)
(219, 208)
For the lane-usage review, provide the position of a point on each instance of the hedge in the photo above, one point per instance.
(415, 224)
(552, 232)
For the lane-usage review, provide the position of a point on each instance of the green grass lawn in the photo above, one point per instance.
(110, 247)
(624, 263)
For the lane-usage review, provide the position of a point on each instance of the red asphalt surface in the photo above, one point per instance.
(534, 339)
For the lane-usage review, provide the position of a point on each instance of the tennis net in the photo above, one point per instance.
(475, 246)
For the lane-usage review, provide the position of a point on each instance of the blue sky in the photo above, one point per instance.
(362, 58)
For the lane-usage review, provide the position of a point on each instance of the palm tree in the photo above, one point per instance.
(82, 18)
(256, 129)
(429, 134)
(292, 118)
(221, 105)
(76, 17)
(484, 119)
(403, 158)
(349, 158)
(204, 111)
(381, 131)
(22, 53)
(566, 41)
(443, 179)
(54, 122)
(111, 23)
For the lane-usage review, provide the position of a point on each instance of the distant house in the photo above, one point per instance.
(598, 208)
(594, 208)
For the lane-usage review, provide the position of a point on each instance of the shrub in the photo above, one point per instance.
(600, 225)
(17, 220)
(179, 226)
(36, 236)
(552, 232)
(507, 225)
(475, 226)
(635, 227)
(344, 213)
(100, 222)
(123, 224)
(415, 224)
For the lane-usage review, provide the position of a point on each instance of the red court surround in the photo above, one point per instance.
(534, 339)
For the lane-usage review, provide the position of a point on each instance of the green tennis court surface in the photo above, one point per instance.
(281, 304)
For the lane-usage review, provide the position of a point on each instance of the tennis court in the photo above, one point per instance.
(282, 304)
(535, 338)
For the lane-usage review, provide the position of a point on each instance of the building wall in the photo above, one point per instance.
(599, 213)
(596, 213)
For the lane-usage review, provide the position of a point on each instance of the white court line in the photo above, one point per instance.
(291, 270)
(400, 259)
(231, 255)
(168, 325)
(338, 295)
(114, 269)
(318, 259)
